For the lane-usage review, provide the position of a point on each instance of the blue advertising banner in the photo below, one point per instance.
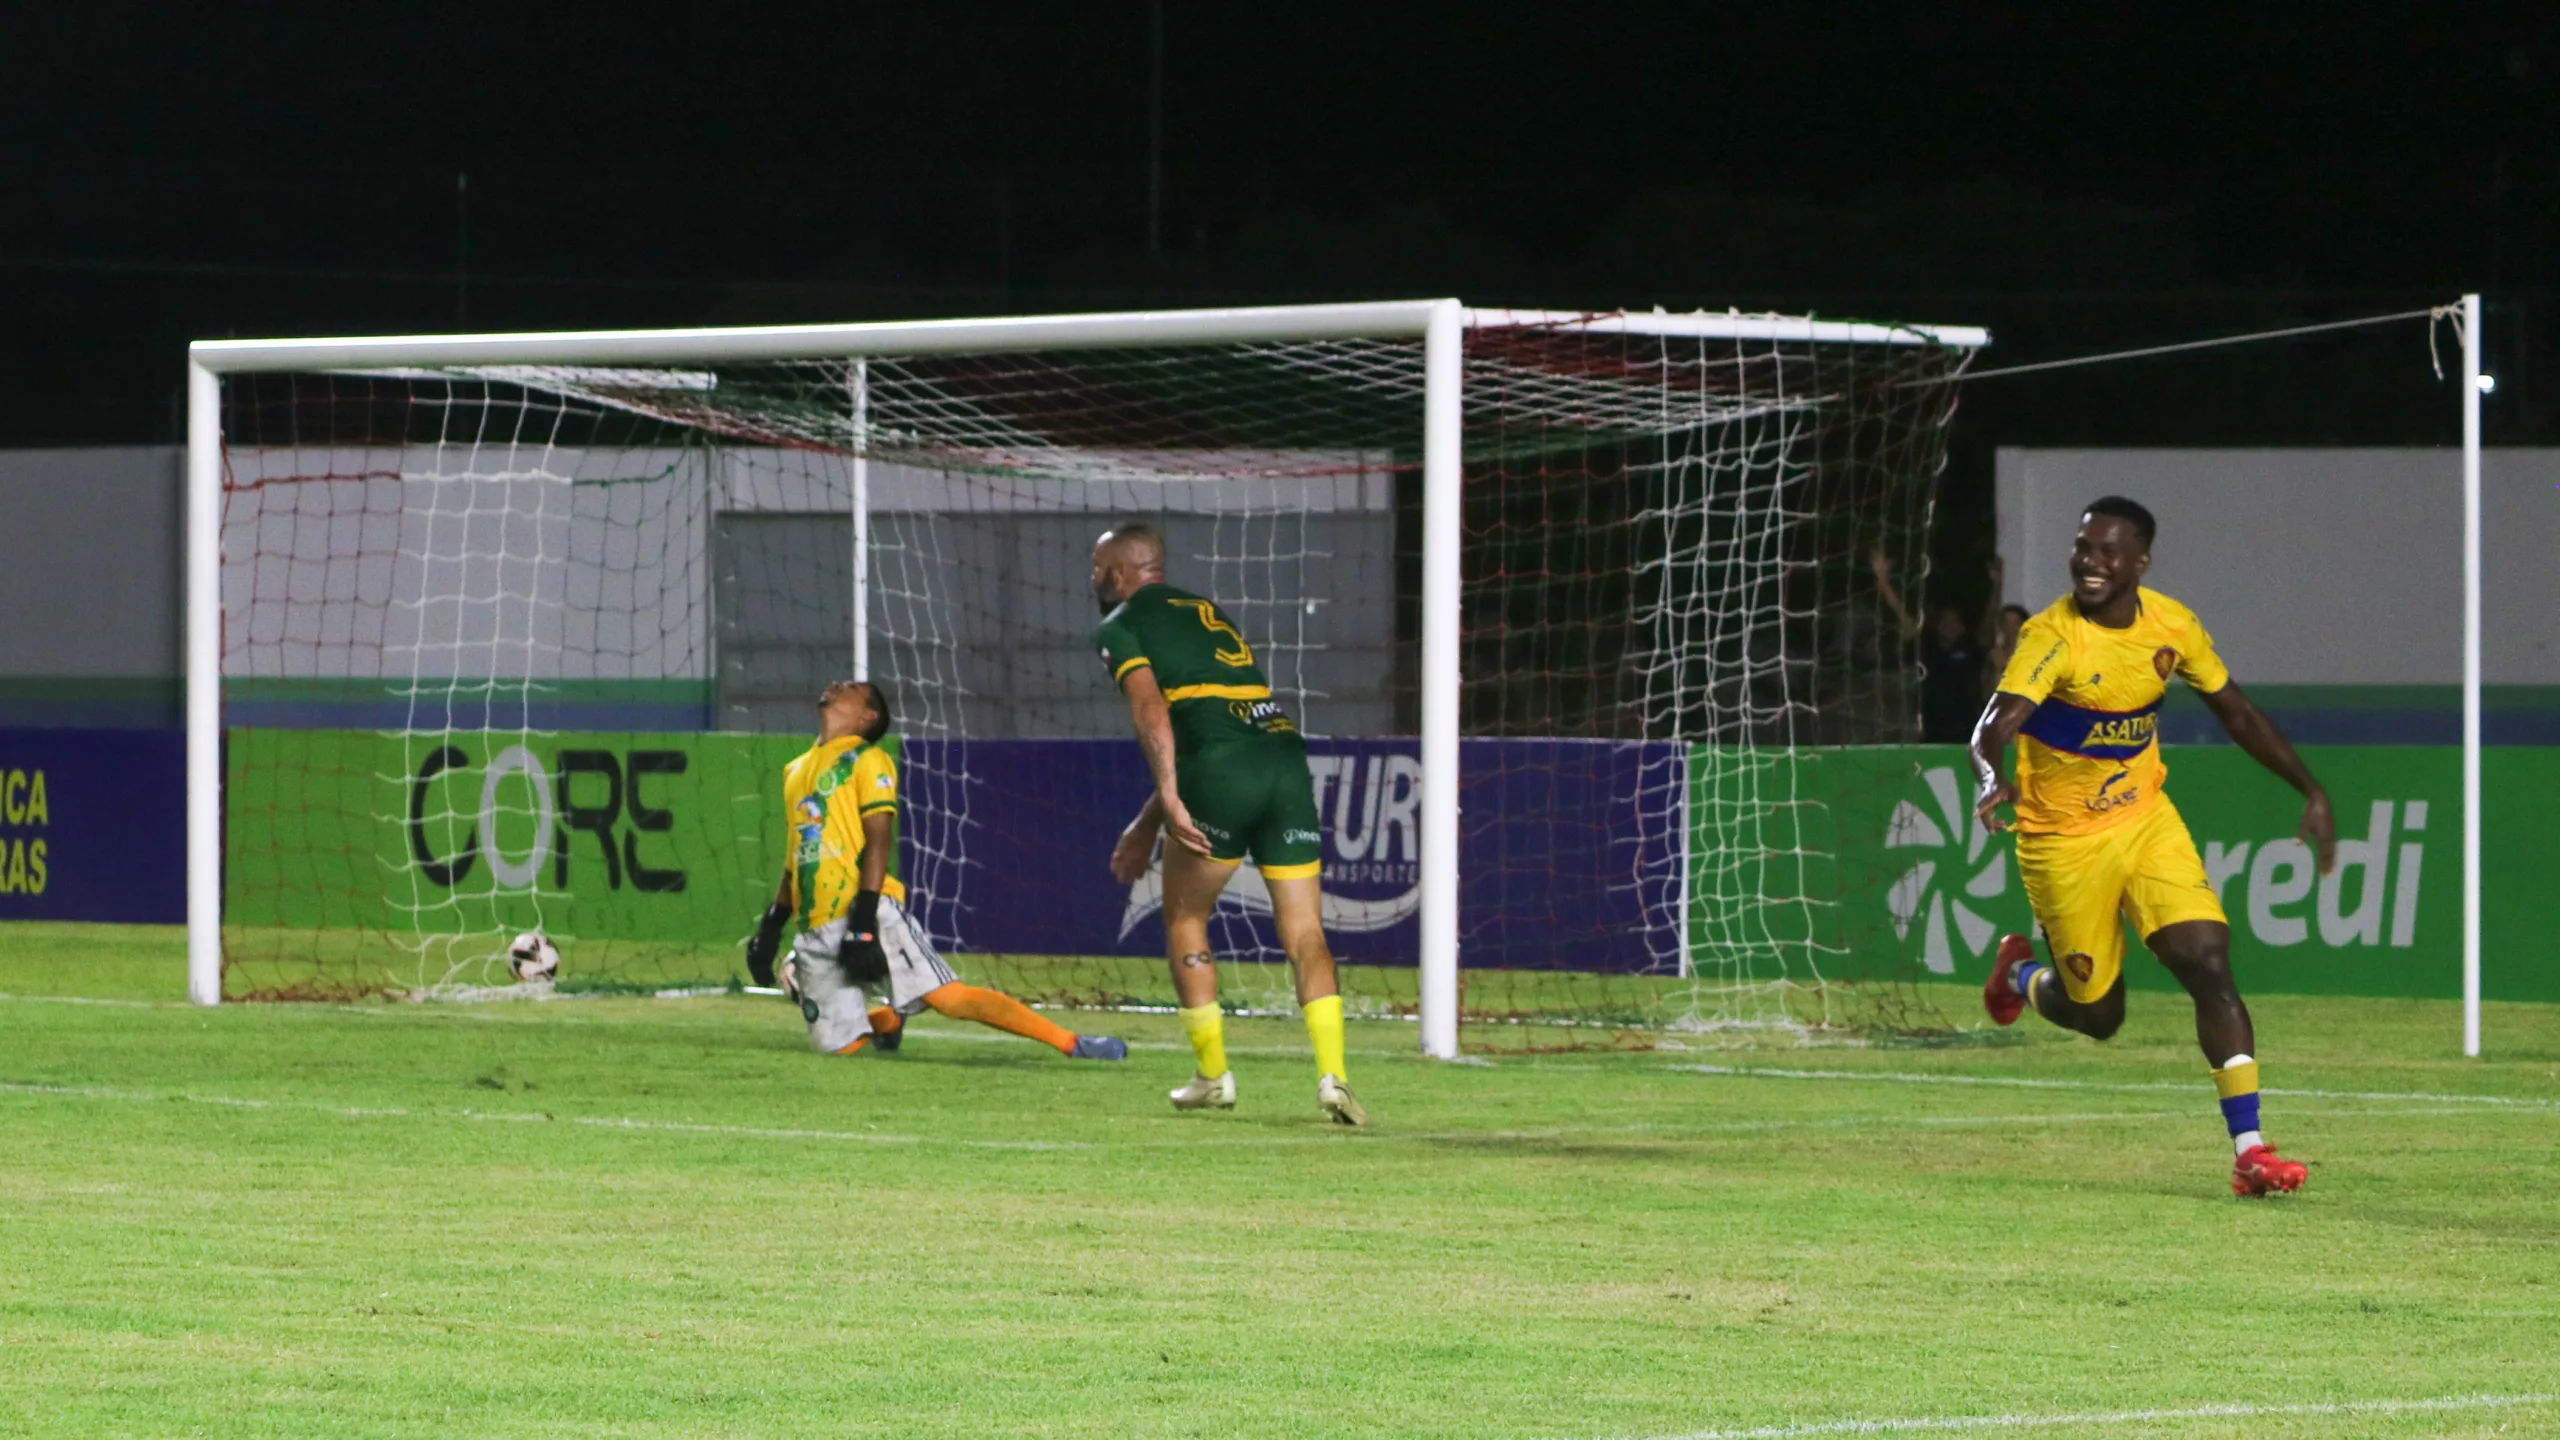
(93, 825)
(1570, 857)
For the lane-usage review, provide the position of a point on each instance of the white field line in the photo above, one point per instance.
(976, 1036)
(2101, 1418)
(1907, 1077)
(1203, 1133)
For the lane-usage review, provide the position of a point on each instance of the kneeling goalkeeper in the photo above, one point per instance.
(841, 809)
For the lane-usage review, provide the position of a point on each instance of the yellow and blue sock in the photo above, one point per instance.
(2236, 1081)
(1324, 1031)
(2023, 978)
(1207, 1027)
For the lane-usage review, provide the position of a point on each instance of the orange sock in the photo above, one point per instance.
(996, 1008)
(885, 1021)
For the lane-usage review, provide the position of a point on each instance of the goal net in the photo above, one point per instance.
(523, 642)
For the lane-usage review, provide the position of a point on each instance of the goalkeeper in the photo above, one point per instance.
(841, 810)
(1231, 777)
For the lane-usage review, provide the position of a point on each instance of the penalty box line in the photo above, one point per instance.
(2101, 1418)
(2020, 1082)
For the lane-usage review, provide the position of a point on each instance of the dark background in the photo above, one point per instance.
(2076, 178)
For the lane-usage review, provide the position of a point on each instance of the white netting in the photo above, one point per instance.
(524, 645)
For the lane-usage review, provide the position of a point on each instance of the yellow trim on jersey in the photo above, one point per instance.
(878, 805)
(1293, 872)
(1132, 663)
(1218, 692)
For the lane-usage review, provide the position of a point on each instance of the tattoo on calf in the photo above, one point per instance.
(1197, 959)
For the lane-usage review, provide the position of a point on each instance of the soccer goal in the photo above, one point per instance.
(1579, 611)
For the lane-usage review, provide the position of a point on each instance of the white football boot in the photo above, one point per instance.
(1336, 1100)
(1203, 1093)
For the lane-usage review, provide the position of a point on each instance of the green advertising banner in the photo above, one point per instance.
(1904, 871)
(648, 836)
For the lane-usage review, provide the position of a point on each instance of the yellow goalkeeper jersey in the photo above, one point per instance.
(825, 794)
(2089, 757)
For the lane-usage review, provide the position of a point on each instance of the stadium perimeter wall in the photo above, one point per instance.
(671, 838)
(2331, 579)
(2345, 623)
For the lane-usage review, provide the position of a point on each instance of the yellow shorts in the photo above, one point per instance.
(2086, 887)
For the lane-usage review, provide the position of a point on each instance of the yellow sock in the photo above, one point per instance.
(1324, 1029)
(1207, 1027)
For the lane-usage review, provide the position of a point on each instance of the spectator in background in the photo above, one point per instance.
(1951, 662)
(2004, 643)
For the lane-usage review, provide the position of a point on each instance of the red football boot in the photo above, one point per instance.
(1999, 996)
(2261, 1171)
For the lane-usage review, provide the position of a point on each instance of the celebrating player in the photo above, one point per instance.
(1231, 779)
(2098, 843)
(841, 810)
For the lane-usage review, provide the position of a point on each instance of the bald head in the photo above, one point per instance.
(1126, 559)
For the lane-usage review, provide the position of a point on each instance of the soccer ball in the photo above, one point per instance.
(534, 958)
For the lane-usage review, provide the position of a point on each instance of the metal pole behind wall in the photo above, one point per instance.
(204, 685)
(1443, 481)
(2471, 675)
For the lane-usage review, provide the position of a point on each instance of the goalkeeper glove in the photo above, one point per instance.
(767, 942)
(860, 956)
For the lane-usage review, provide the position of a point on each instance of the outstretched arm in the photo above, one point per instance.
(1137, 845)
(2253, 730)
(2001, 720)
(1152, 717)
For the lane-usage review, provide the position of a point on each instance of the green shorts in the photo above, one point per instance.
(1255, 798)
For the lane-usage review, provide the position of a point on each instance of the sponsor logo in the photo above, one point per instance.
(1927, 899)
(2164, 660)
(2102, 802)
(2133, 730)
(24, 864)
(2371, 898)
(1263, 714)
(1369, 810)
(544, 808)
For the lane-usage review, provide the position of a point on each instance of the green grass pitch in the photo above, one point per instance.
(636, 1217)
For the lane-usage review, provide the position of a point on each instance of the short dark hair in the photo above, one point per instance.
(879, 725)
(2130, 512)
(2021, 611)
(1141, 535)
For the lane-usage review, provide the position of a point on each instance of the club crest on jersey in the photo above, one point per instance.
(2079, 966)
(2164, 660)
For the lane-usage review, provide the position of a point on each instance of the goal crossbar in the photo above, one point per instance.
(1143, 328)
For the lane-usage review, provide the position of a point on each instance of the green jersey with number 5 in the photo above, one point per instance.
(1217, 694)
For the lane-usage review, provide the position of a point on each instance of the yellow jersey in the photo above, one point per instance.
(825, 794)
(2089, 757)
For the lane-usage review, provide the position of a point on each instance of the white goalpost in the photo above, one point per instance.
(1602, 568)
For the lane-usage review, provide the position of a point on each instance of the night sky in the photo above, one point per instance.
(2077, 178)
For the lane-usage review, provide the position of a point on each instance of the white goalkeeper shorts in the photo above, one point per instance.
(837, 1009)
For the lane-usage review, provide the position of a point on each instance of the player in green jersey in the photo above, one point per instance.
(1231, 780)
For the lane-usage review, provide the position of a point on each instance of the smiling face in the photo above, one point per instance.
(2108, 561)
